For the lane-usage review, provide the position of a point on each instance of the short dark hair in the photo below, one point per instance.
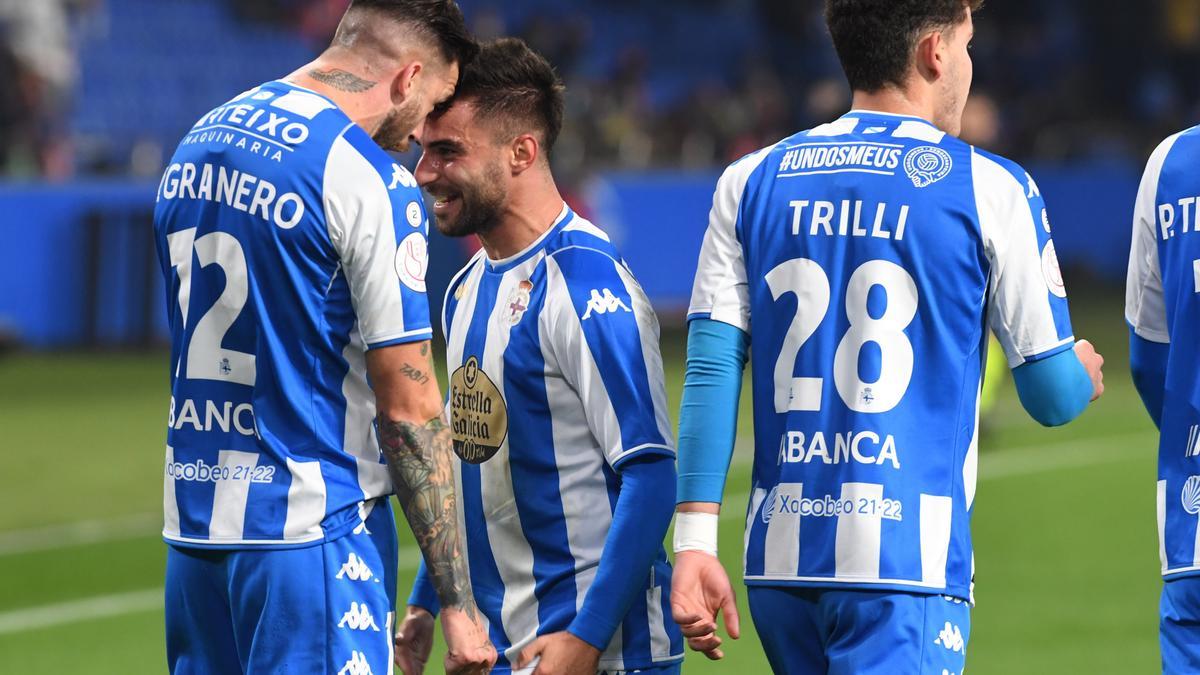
(440, 22)
(875, 39)
(510, 83)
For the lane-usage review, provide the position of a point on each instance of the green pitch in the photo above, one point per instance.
(1067, 565)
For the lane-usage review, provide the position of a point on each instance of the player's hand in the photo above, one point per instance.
(1092, 363)
(414, 640)
(468, 649)
(561, 654)
(700, 589)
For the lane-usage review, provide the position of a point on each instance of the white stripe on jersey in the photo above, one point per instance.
(782, 554)
(1019, 309)
(838, 127)
(511, 551)
(721, 289)
(856, 549)
(607, 428)
(921, 131)
(230, 495)
(170, 505)
(970, 468)
(756, 500)
(305, 104)
(647, 322)
(306, 501)
(1161, 503)
(365, 244)
(936, 515)
(1145, 308)
(359, 438)
(660, 642)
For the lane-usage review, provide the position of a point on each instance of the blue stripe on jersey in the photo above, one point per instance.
(543, 521)
(615, 342)
(485, 575)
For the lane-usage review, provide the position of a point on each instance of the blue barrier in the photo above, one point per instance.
(79, 266)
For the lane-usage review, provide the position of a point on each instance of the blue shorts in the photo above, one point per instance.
(327, 608)
(1179, 626)
(817, 631)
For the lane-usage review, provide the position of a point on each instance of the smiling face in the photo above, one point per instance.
(464, 169)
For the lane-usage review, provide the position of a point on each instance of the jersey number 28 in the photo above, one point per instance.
(810, 284)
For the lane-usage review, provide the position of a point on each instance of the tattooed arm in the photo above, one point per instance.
(420, 459)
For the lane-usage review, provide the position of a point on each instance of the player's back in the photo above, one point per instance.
(258, 224)
(1163, 306)
(868, 247)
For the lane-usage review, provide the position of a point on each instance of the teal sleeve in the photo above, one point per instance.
(1054, 390)
(716, 355)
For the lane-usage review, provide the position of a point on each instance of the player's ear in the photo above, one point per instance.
(931, 55)
(525, 151)
(405, 81)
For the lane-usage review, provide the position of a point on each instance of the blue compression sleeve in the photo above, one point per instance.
(716, 354)
(643, 513)
(1054, 390)
(423, 594)
(1148, 362)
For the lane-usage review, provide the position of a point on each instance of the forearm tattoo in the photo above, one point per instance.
(341, 79)
(420, 461)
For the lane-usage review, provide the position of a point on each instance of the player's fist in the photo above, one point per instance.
(1092, 363)
(560, 653)
(414, 640)
(700, 589)
(468, 649)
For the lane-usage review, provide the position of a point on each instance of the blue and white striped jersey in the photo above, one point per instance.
(555, 381)
(866, 258)
(1162, 305)
(290, 244)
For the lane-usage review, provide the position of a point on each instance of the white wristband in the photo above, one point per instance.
(696, 532)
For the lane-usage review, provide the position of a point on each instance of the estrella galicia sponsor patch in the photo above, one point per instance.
(478, 414)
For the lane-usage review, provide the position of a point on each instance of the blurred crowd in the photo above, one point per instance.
(1055, 80)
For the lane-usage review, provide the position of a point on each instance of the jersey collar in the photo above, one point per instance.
(860, 113)
(505, 264)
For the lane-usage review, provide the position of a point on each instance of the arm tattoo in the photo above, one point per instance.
(415, 374)
(420, 462)
(340, 79)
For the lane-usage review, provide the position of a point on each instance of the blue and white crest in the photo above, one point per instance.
(927, 165)
(1191, 495)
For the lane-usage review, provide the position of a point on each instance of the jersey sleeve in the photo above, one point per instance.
(720, 291)
(604, 335)
(1027, 301)
(1145, 308)
(378, 227)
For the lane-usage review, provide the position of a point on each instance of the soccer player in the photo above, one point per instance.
(1162, 310)
(863, 261)
(294, 255)
(557, 401)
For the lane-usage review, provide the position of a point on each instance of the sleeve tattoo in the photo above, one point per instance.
(420, 462)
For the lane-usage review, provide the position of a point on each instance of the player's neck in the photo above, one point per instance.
(528, 214)
(331, 78)
(894, 101)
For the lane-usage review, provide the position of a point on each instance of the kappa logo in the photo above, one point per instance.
(951, 638)
(357, 665)
(358, 617)
(927, 165)
(355, 569)
(605, 303)
(401, 176)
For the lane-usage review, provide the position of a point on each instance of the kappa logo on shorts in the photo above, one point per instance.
(927, 165)
(951, 638)
(356, 570)
(358, 617)
(357, 665)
